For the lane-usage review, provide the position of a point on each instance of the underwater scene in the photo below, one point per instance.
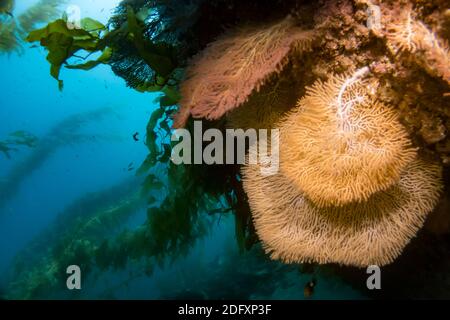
(224, 149)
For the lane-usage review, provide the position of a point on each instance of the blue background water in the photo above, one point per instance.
(31, 101)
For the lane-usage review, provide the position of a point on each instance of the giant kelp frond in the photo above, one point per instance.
(295, 230)
(157, 60)
(17, 139)
(342, 145)
(73, 239)
(405, 33)
(95, 214)
(174, 223)
(224, 75)
(160, 23)
(62, 42)
(9, 40)
(63, 133)
(172, 227)
(166, 20)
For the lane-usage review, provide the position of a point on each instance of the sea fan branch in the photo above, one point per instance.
(224, 75)
(406, 34)
(341, 145)
(295, 230)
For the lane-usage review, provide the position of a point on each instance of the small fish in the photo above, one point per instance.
(308, 291)
(136, 136)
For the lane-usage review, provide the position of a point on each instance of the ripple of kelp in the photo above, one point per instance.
(74, 238)
(15, 140)
(66, 132)
(172, 228)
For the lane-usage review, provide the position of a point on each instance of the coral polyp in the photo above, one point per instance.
(341, 145)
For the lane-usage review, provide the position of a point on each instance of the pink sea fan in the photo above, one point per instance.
(223, 76)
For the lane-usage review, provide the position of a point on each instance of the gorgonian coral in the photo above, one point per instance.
(341, 145)
(223, 76)
(407, 34)
(294, 229)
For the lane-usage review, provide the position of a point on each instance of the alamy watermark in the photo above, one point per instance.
(374, 280)
(73, 281)
(73, 17)
(229, 147)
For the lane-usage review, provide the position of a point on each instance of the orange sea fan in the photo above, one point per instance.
(223, 76)
(295, 230)
(406, 34)
(341, 145)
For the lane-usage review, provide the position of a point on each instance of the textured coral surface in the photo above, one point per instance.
(295, 229)
(373, 94)
(341, 145)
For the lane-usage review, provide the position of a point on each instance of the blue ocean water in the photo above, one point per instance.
(95, 155)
